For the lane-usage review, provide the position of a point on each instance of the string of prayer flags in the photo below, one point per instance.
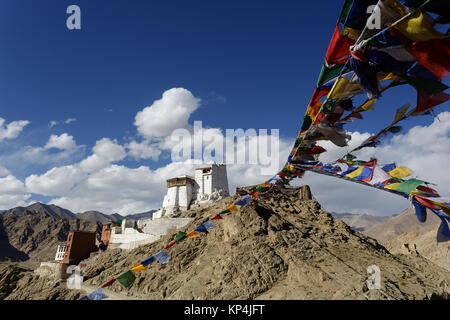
(126, 279)
(162, 256)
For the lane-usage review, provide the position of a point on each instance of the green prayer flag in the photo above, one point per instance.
(328, 73)
(409, 185)
(224, 211)
(345, 10)
(180, 236)
(349, 157)
(306, 123)
(126, 278)
(428, 86)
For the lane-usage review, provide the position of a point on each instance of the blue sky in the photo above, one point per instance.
(253, 64)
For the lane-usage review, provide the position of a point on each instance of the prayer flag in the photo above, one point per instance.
(110, 282)
(217, 217)
(147, 261)
(96, 295)
(409, 185)
(201, 228)
(209, 225)
(138, 267)
(192, 234)
(400, 172)
(126, 279)
(180, 236)
(162, 256)
(232, 208)
(170, 245)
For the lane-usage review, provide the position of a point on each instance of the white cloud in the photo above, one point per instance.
(55, 182)
(143, 150)
(12, 129)
(171, 112)
(62, 142)
(70, 120)
(12, 192)
(52, 123)
(105, 151)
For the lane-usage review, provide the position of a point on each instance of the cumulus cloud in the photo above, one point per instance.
(12, 192)
(143, 150)
(63, 142)
(12, 129)
(170, 112)
(67, 121)
(70, 120)
(105, 151)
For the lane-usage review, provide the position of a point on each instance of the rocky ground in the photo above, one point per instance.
(285, 247)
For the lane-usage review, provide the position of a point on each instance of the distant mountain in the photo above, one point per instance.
(360, 222)
(49, 209)
(98, 217)
(143, 215)
(400, 224)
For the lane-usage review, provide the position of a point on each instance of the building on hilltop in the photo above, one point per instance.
(209, 184)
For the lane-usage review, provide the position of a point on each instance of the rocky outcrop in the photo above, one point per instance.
(20, 284)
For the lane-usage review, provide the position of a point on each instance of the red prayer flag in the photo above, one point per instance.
(110, 282)
(426, 102)
(318, 93)
(316, 150)
(432, 54)
(339, 48)
(170, 245)
(218, 217)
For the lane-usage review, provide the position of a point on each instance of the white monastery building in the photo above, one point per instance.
(209, 185)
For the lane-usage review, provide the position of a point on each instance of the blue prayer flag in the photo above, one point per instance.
(95, 295)
(208, 225)
(147, 261)
(162, 256)
(389, 167)
(201, 228)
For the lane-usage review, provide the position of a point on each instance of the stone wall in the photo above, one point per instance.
(52, 270)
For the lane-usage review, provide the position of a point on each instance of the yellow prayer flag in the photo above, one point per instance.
(400, 113)
(392, 186)
(355, 173)
(192, 234)
(338, 88)
(400, 172)
(389, 76)
(290, 167)
(266, 185)
(366, 106)
(233, 208)
(138, 267)
(417, 28)
(351, 33)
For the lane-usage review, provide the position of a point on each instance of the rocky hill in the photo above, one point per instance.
(97, 216)
(30, 238)
(402, 223)
(360, 222)
(285, 247)
(51, 210)
(142, 215)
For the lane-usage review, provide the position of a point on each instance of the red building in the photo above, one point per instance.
(79, 246)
